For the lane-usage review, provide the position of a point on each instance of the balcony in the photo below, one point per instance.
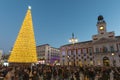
(106, 52)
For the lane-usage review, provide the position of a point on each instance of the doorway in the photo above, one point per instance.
(106, 61)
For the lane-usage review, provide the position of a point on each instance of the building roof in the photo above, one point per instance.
(54, 48)
(78, 43)
(42, 45)
(47, 45)
(117, 36)
(90, 41)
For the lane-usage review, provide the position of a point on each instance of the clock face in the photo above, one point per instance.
(101, 28)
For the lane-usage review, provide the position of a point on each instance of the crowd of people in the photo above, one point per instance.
(45, 72)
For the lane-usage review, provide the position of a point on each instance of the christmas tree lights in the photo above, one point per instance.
(24, 50)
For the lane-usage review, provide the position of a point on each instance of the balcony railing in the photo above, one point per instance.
(106, 52)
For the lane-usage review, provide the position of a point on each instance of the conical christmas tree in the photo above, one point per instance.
(24, 50)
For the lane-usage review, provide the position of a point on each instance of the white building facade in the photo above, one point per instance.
(47, 54)
(103, 49)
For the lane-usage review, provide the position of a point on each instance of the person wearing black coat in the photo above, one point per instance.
(35, 75)
(77, 75)
(25, 75)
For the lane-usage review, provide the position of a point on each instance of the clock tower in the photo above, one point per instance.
(101, 25)
(102, 32)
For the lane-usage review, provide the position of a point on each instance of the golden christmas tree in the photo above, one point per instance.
(24, 50)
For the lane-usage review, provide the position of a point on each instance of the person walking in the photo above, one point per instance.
(10, 75)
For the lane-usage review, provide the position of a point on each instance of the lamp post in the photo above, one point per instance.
(68, 60)
(73, 40)
(113, 59)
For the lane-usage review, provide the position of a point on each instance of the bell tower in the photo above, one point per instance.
(101, 25)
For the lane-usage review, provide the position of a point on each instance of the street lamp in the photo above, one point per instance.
(73, 40)
(113, 59)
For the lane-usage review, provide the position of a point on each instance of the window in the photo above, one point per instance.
(105, 49)
(119, 55)
(69, 52)
(111, 48)
(79, 51)
(87, 57)
(90, 54)
(74, 52)
(97, 50)
(84, 54)
(90, 50)
(90, 59)
(76, 57)
(63, 53)
(84, 50)
(84, 59)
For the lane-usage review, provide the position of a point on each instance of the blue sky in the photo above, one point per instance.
(55, 20)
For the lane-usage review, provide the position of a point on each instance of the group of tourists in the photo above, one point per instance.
(45, 72)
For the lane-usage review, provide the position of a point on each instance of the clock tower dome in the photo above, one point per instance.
(101, 25)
